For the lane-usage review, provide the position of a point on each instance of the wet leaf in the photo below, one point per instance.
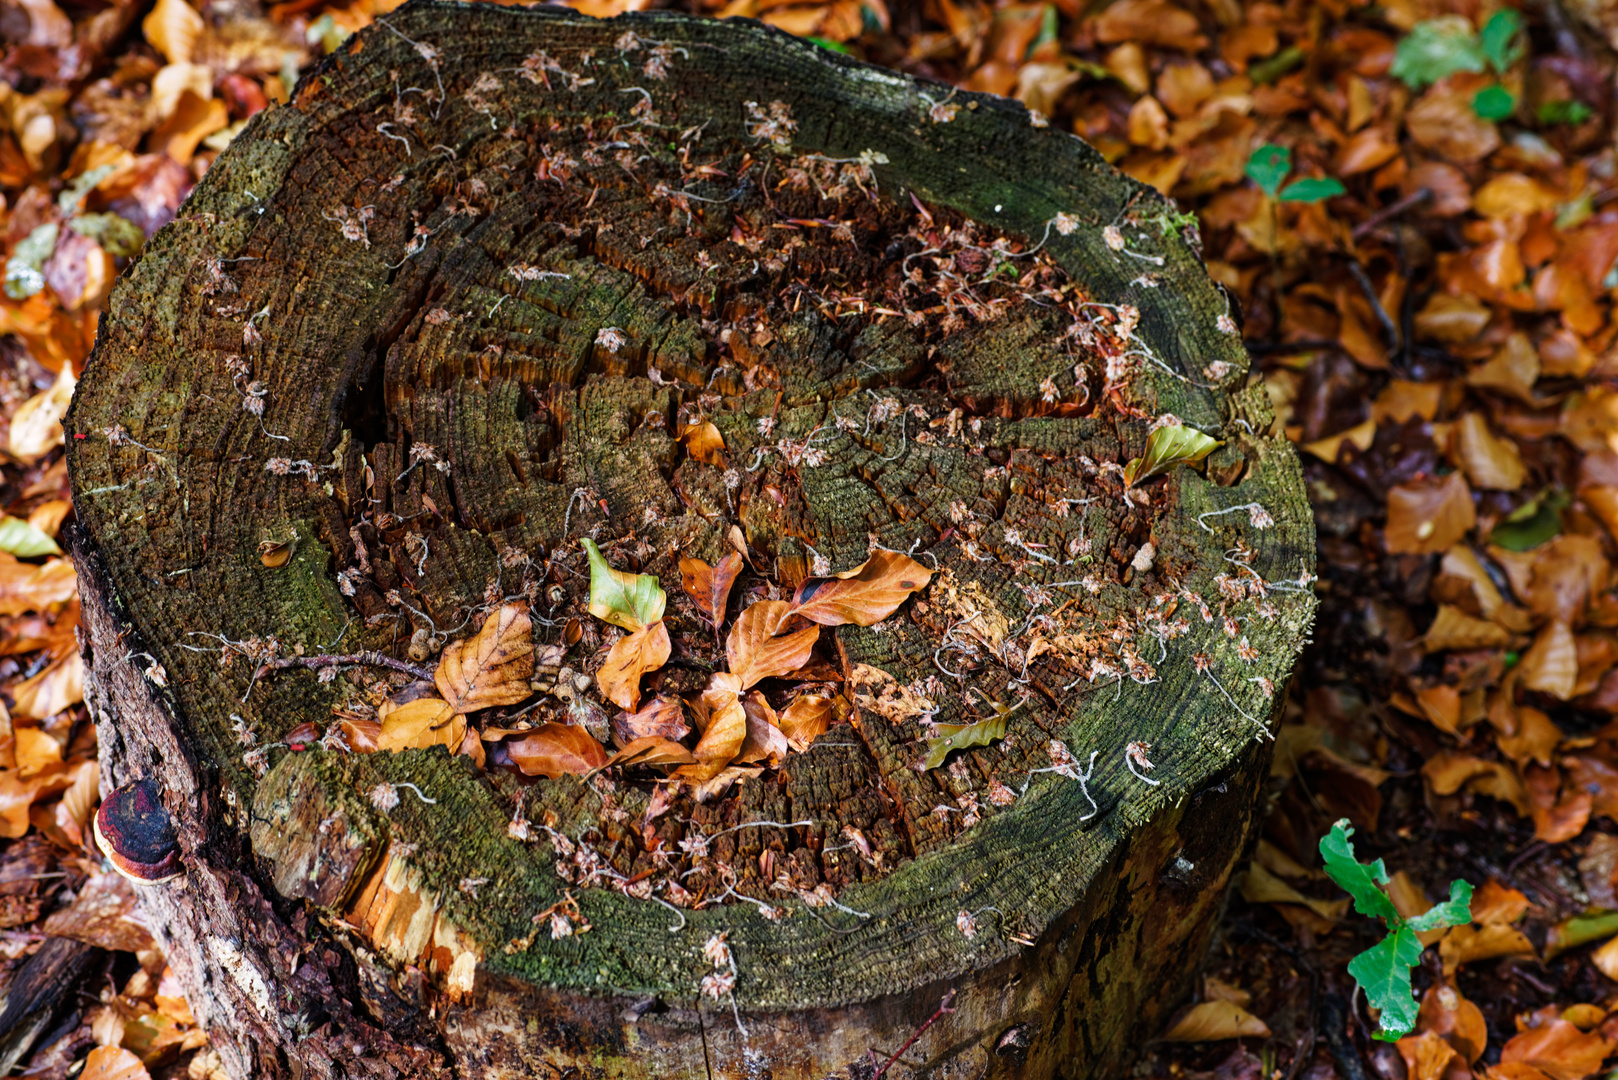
(1212, 1020)
(806, 719)
(553, 750)
(1168, 446)
(630, 601)
(863, 596)
(418, 724)
(952, 737)
(661, 716)
(709, 586)
(630, 658)
(756, 649)
(19, 538)
(493, 666)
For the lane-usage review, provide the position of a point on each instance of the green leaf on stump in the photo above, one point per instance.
(1168, 446)
(632, 601)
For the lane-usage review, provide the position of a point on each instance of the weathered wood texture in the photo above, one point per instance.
(450, 311)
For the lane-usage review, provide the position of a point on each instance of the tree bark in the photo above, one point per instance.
(453, 309)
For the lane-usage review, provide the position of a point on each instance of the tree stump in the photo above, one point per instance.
(479, 292)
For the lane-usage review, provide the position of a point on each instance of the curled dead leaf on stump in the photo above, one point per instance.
(806, 719)
(493, 666)
(553, 750)
(709, 586)
(864, 595)
(631, 657)
(419, 724)
(704, 443)
(662, 716)
(755, 652)
(723, 723)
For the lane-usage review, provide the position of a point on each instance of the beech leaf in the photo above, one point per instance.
(864, 595)
(806, 719)
(1213, 1020)
(765, 741)
(952, 737)
(419, 724)
(709, 586)
(630, 658)
(663, 716)
(704, 443)
(1168, 446)
(553, 750)
(24, 540)
(492, 667)
(754, 650)
(630, 601)
(652, 750)
(724, 728)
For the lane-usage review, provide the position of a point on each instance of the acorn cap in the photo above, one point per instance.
(137, 835)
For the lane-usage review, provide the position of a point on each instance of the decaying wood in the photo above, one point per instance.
(501, 279)
(41, 993)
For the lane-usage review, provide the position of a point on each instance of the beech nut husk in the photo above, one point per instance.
(137, 835)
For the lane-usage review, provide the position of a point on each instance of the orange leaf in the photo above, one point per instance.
(492, 667)
(18, 794)
(724, 728)
(663, 716)
(864, 595)
(1490, 461)
(710, 586)
(113, 1063)
(806, 719)
(653, 750)
(59, 686)
(1558, 1049)
(418, 724)
(25, 587)
(764, 742)
(1495, 905)
(1426, 1055)
(1215, 1020)
(755, 652)
(36, 752)
(1551, 663)
(1467, 944)
(704, 443)
(630, 658)
(1446, 1013)
(553, 750)
(36, 429)
(1429, 517)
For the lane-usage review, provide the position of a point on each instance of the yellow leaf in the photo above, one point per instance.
(419, 724)
(755, 652)
(630, 658)
(704, 443)
(1263, 887)
(1490, 461)
(36, 429)
(59, 686)
(864, 595)
(1551, 663)
(113, 1063)
(492, 667)
(36, 752)
(1213, 1020)
(172, 29)
(806, 719)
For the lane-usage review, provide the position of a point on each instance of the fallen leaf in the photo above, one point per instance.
(1263, 887)
(629, 601)
(652, 750)
(704, 443)
(1426, 1055)
(1166, 447)
(172, 28)
(1446, 1013)
(1219, 990)
(1512, 370)
(1361, 436)
(113, 1063)
(1559, 814)
(1150, 22)
(1551, 664)
(765, 741)
(1606, 959)
(755, 652)
(418, 724)
(1443, 120)
(26, 541)
(1452, 319)
(1558, 1049)
(36, 427)
(554, 750)
(1429, 517)
(1447, 772)
(1213, 1020)
(806, 719)
(1534, 737)
(492, 667)
(105, 914)
(1468, 944)
(1493, 904)
(18, 794)
(724, 728)
(631, 657)
(25, 587)
(1490, 462)
(662, 716)
(59, 686)
(1441, 705)
(863, 596)
(35, 752)
(707, 790)
(952, 737)
(1453, 628)
(709, 586)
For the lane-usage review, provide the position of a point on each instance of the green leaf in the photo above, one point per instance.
(25, 273)
(1437, 48)
(82, 185)
(24, 540)
(1359, 880)
(1494, 103)
(1532, 523)
(834, 46)
(1383, 971)
(1312, 189)
(1456, 911)
(632, 601)
(962, 736)
(1563, 112)
(1168, 446)
(1501, 45)
(1269, 166)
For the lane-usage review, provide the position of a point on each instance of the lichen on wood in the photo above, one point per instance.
(463, 303)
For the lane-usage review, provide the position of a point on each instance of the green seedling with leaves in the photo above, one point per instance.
(1438, 48)
(1269, 165)
(1383, 970)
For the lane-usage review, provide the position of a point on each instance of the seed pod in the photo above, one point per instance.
(137, 835)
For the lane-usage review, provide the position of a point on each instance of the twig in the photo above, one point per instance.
(944, 1007)
(363, 659)
(1392, 210)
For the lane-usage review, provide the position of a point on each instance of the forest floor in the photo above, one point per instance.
(1416, 203)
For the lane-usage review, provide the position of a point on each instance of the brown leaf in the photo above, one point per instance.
(704, 443)
(1558, 1049)
(764, 742)
(1468, 944)
(1429, 517)
(1533, 738)
(59, 686)
(1551, 664)
(716, 785)
(36, 428)
(631, 657)
(113, 1063)
(1444, 121)
(1212, 1020)
(724, 728)
(652, 750)
(864, 595)
(172, 28)
(1493, 904)
(419, 724)
(25, 587)
(17, 794)
(661, 716)
(1263, 887)
(1444, 1012)
(553, 750)
(35, 752)
(103, 914)
(1513, 370)
(755, 652)
(709, 586)
(1447, 772)
(1453, 628)
(1426, 1055)
(1490, 462)
(492, 667)
(806, 719)
(1150, 22)
(1558, 816)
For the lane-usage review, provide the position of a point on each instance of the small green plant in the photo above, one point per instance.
(1564, 112)
(1383, 970)
(1438, 48)
(1269, 165)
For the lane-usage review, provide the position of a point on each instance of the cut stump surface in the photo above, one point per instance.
(498, 280)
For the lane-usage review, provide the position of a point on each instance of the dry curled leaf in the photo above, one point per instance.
(704, 443)
(724, 728)
(113, 1063)
(1558, 1049)
(755, 652)
(652, 750)
(1428, 517)
(765, 740)
(25, 587)
(952, 737)
(553, 750)
(418, 724)
(863, 596)
(709, 586)
(59, 686)
(1212, 1020)
(629, 601)
(662, 716)
(806, 719)
(1426, 1055)
(492, 667)
(629, 658)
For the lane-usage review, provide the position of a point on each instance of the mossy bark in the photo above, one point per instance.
(453, 304)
